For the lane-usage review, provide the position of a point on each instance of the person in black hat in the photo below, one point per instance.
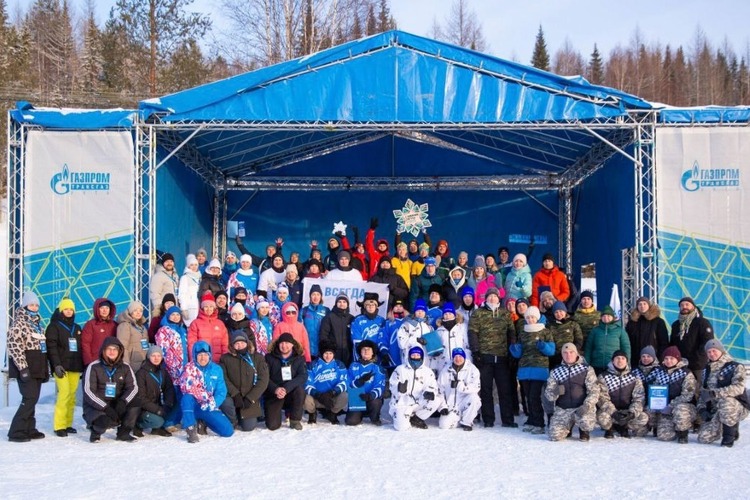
(366, 375)
(690, 332)
(621, 399)
(397, 287)
(646, 327)
(287, 375)
(164, 280)
(326, 385)
(586, 315)
(370, 326)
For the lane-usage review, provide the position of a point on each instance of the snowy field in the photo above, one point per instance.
(329, 462)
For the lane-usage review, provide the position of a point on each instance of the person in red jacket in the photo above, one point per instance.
(290, 324)
(551, 278)
(375, 250)
(99, 327)
(207, 326)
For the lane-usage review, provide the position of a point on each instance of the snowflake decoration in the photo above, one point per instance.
(412, 218)
(339, 227)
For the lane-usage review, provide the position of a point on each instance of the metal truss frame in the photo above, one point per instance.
(16, 168)
(145, 210)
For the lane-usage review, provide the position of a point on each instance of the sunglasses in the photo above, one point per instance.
(290, 312)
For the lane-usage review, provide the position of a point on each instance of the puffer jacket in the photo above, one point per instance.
(59, 333)
(96, 330)
(552, 278)
(290, 323)
(246, 375)
(205, 383)
(99, 374)
(212, 330)
(155, 388)
(646, 329)
(134, 338)
(603, 341)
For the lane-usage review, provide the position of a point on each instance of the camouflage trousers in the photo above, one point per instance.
(638, 425)
(402, 410)
(729, 412)
(680, 420)
(563, 420)
(463, 412)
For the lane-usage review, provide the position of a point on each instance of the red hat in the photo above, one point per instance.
(207, 299)
(672, 351)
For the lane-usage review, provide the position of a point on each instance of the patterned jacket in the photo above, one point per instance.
(25, 340)
(620, 390)
(678, 379)
(579, 380)
(491, 332)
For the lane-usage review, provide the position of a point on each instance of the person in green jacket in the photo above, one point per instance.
(606, 338)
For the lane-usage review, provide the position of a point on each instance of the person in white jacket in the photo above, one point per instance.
(413, 328)
(187, 297)
(453, 334)
(414, 392)
(459, 384)
(344, 270)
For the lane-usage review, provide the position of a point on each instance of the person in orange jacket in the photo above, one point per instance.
(551, 278)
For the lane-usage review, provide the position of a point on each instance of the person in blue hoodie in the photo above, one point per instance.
(312, 316)
(370, 326)
(229, 268)
(326, 385)
(396, 317)
(204, 395)
(369, 378)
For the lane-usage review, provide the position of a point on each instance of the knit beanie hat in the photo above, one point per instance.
(619, 352)
(715, 344)
(246, 258)
(587, 293)
(420, 305)
(521, 257)
(29, 298)
(237, 308)
(134, 306)
(214, 263)
(66, 303)
(424, 246)
(607, 310)
(467, 290)
(292, 268)
(190, 259)
(458, 352)
(532, 311)
(649, 349)
(492, 291)
(153, 350)
(167, 256)
(569, 346)
(207, 299)
(546, 295)
(448, 308)
(548, 256)
(316, 288)
(672, 351)
(479, 262)
(559, 306)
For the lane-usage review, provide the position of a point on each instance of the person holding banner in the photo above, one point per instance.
(272, 277)
(366, 386)
(677, 413)
(344, 270)
(336, 328)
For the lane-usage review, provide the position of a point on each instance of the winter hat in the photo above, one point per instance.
(327, 345)
(344, 253)
(619, 352)
(208, 300)
(548, 256)
(467, 290)
(687, 299)
(168, 297)
(642, 299)
(448, 308)
(479, 262)
(201, 251)
(190, 259)
(672, 351)
(261, 302)
(506, 250)
(366, 343)
(29, 298)
(237, 308)
(230, 254)
(424, 246)
(416, 350)
(401, 245)
(435, 288)
(315, 262)
(532, 311)
(509, 300)
(282, 286)
(430, 261)
(239, 335)
(166, 256)
(649, 349)
(492, 291)
(66, 303)
(370, 296)
(546, 295)
(240, 290)
(569, 346)
(607, 310)
(316, 288)
(221, 293)
(559, 306)
(171, 311)
(152, 350)
(587, 293)
(285, 337)
(133, 306)
(292, 268)
(246, 258)
(214, 263)
(343, 296)
(384, 258)
(458, 352)
(715, 344)
(523, 300)
(420, 305)
(521, 257)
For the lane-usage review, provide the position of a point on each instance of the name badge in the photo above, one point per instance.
(110, 390)
(43, 346)
(657, 397)
(72, 344)
(286, 373)
(144, 344)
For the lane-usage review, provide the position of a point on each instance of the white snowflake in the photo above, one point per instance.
(339, 227)
(412, 218)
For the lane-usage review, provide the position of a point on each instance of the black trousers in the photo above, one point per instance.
(533, 391)
(24, 421)
(293, 402)
(495, 369)
(373, 411)
(125, 423)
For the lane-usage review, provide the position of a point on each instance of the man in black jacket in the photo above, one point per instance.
(287, 374)
(336, 327)
(690, 333)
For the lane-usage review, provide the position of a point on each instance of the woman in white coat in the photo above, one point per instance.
(190, 282)
(453, 334)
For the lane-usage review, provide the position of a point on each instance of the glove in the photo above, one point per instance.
(622, 417)
(560, 389)
(59, 371)
(444, 411)
(667, 410)
(120, 407)
(421, 341)
(705, 414)
(24, 375)
(518, 283)
(454, 383)
(539, 345)
(355, 232)
(335, 391)
(339, 234)
(402, 387)
(374, 223)
(326, 399)
(581, 411)
(363, 379)
(387, 361)
(112, 413)
(366, 397)
(238, 401)
(429, 396)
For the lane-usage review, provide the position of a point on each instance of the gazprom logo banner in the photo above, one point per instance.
(66, 181)
(697, 178)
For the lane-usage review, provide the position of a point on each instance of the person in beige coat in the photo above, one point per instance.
(132, 332)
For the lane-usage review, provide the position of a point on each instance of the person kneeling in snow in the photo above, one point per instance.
(677, 417)
(573, 390)
(204, 395)
(287, 374)
(414, 392)
(367, 375)
(110, 393)
(326, 385)
(459, 382)
(621, 398)
(156, 392)
(246, 376)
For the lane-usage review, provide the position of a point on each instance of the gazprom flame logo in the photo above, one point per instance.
(697, 178)
(67, 181)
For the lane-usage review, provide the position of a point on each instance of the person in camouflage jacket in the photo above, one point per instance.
(621, 398)
(573, 390)
(648, 363)
(677, 418)
(724, 401)
(586, 315)
(564, 330)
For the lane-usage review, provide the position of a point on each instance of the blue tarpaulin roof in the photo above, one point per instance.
(73, 119)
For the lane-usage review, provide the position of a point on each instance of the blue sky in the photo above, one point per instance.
(510, 26)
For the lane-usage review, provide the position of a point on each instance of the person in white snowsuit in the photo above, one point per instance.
(459, 384)
(414, 392)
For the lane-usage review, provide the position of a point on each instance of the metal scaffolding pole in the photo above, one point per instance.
(645, 261)
(17, 135)
(145, 209)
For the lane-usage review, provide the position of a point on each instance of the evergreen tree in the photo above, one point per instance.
(371, 22)
(540, 57)
(91, 72)
(385, 21)
(186, 69)
(596, 68)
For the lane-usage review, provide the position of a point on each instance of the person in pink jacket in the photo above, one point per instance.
(290, 324)
(207, 326)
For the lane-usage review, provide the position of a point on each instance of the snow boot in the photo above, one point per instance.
(138, 432)
(729, 435)
(609, 434)
(465, 427)
(202, 428)
(312, 418)
(417, 422)
(159, 431)
(583, 435)
(682, 437)
(95, 437)
(622, 430)
(123, 434)
(192, 434)
(295, 424)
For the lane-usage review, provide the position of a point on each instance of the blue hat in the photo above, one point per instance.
(420, 305)
(416, 350)
(430, 261)
(559, 306)
(448, 308)
(458, 351)
(467, 290)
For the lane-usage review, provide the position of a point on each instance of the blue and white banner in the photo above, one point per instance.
(355, 290)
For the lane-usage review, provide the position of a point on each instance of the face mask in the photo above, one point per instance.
(242, 351)
(449, 324)
(415, 363)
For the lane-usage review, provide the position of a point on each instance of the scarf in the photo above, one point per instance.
(685, 320)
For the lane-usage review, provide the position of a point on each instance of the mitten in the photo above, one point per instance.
(402, 387)
(374, 223)
(59, 371)
(429, 396)
(444, 411)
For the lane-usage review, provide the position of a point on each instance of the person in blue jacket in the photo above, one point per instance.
(326, 385)
(370, 326)
(392, 324)
(366, 375)
(312, 316)
(204, 395)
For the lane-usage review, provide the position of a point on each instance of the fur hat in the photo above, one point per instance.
(370, 296)
(366, 343)
(327, 345)
(292, 268)
(201, 251)
(133, 306)
(546, 295)
(435, 288)
(29, 298)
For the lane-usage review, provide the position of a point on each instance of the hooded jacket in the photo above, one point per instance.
(467, 383)
(646, 329)
(452, 289)
(457, 336)
(552, 278)
(518, 282)
(417, 381)
(212, 330)
(290, 323)
(132, 334)
(336, 328)
(276, 361)
(101, 372)
(59, 333)
(603, 341)
(155, 388)
(205, 383)
(25, 338)
(246, 375)
(96, 330)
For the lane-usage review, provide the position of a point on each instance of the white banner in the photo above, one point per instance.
(355, 290)
(79, 188)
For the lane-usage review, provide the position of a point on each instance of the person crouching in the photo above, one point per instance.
(326, 385)
(414, 392)
(459, 383)
(621, 398)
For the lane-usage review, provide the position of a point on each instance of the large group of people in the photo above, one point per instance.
(235, 344)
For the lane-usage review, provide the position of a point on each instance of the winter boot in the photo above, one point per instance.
(160, 431)
(312, 418)
(123, 434)
(138, 432)
(729, 435)
(192, 434)
(95, 437)
(295, 424)
(609, 434)
(466, 427)
(622, 430)
(417, 422)
(583, 435)
(202, 428)
(332, 417)
(682, 437)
